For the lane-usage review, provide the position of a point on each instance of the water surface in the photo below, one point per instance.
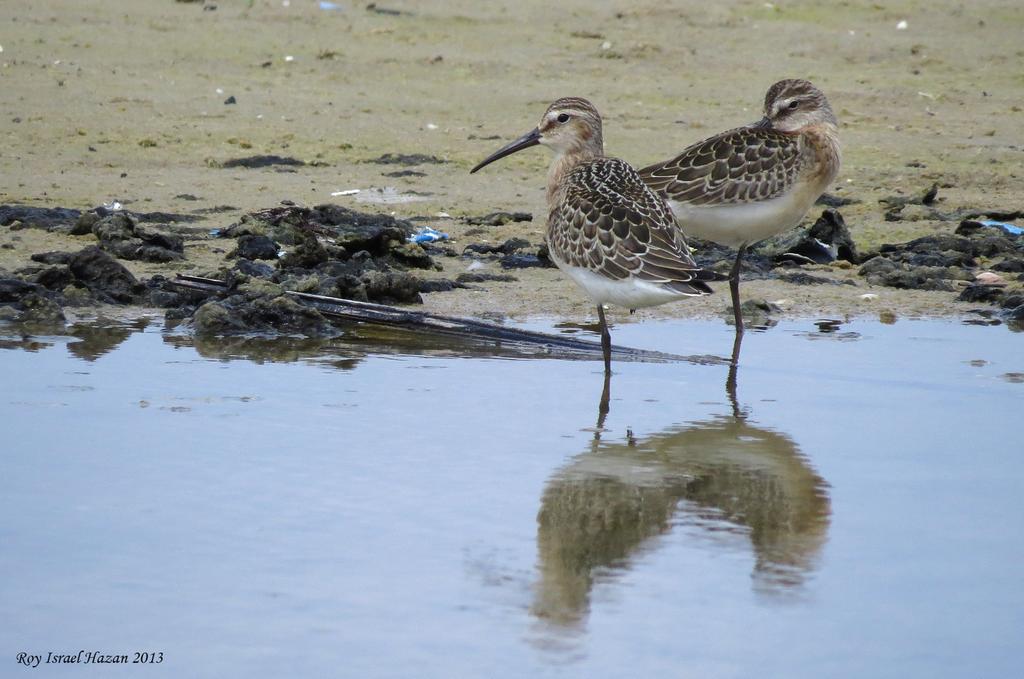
(377, 506)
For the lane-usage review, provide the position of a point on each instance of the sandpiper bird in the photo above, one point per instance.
(606, 229)
(747, 184)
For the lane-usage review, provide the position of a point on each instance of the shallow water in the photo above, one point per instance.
(376, 507)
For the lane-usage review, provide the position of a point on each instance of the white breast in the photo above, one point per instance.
(630, 293)
(745, 223)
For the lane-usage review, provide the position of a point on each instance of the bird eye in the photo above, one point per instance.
(563, 117)
(793, 104)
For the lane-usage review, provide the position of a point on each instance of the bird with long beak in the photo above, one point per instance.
(753, 182)
(606, 229)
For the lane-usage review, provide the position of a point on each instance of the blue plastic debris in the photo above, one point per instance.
(427, 235)
(1011, 229)
(329, 5)
(215, 233)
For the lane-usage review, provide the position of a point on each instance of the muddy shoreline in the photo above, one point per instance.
(400, 105)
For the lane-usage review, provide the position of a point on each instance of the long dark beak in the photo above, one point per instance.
(763, 122)
(531, 138)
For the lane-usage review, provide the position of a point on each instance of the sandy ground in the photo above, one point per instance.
(108, 99)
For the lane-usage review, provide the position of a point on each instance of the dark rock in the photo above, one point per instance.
(254, 269)
(118, 226)
(412, 254)
(165, 299)
(877, 266)
(362, 259)
(899, 202)
(994, 246)
(798, 278)
(14, 289)
(982, 293)
(122, 235)
(372, 7)
(350, 286)
(479, 277)
(709, 255)
(882, 271)
(230, 100)
(1015, 314)
(825, 241)
(509, 247)
(155, 237)
(52, 257)
(306, 254)
(84, 224)
(354, 266)
(520, 261)
(335, 252)
(435, 249)
(940, 250)
(39, 217)
(382, 236)
(77, 294)
(499, 218)
(830, 228)
(1000, 215)
(181, 313)
(392, 287)
(1012, 301)
(255, 247)
(440, 285)
(513, 245)
(353, 230)
(138, 251)
(54, 278)
(103, 275)
(406, 159)
(252, 162)
(481, 249)
(163, 217)
(240, 314)
(831, 200)
(969, 227)
(1009, 266)
(404, 173)
(544, 255)
(216, 209)
(37, 310)
(929, 196)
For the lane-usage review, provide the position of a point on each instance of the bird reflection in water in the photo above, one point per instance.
(720, 475)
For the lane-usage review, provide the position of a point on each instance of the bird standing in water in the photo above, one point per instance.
(606, 229)
(750, 183)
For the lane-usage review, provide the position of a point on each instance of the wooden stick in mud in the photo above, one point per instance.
(465, 328)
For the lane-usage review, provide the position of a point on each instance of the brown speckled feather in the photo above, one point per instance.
(607, 220)
(744, 165)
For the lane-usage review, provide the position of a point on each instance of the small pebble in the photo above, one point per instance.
(989, 278)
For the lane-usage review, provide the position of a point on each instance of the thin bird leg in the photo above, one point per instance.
(734, 288)
(603, 407)
(730, 382)
(606, 340)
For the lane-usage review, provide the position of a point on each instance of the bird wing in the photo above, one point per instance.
(607, 220)
(744, 165)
